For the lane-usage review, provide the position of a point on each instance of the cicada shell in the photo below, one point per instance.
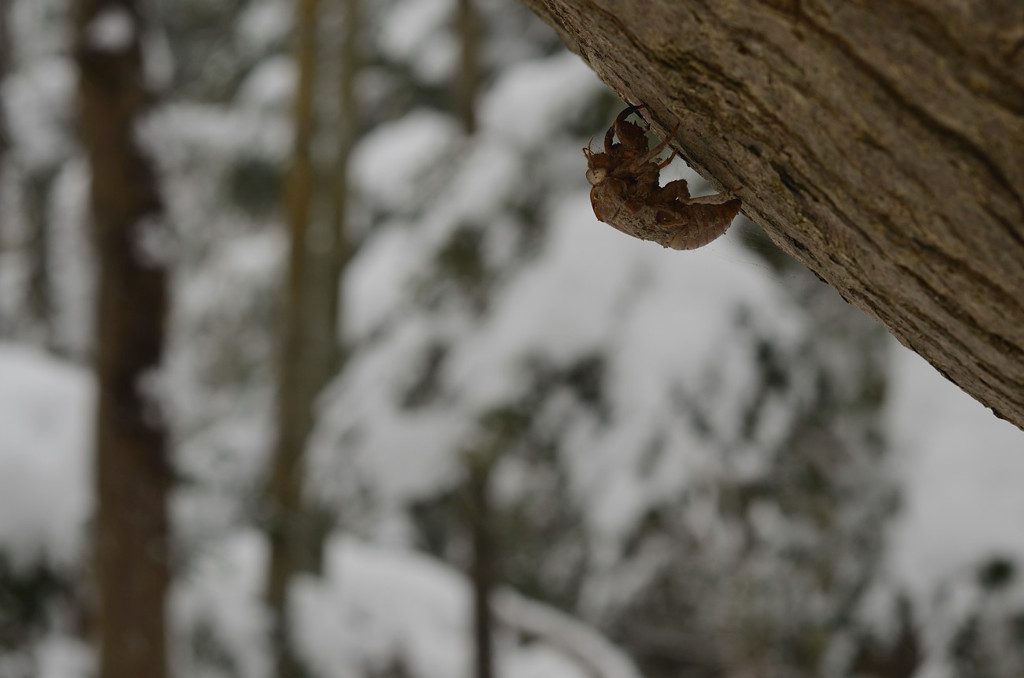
(626, 193)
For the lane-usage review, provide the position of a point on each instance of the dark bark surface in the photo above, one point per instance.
(132, 475)
(879, 142)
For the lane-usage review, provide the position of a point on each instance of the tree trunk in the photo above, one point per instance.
(4, 69)
(879, 142)
(38, 303)
(467, 78)
(310, 356)
(481, 571)
(337, 189)
(478, 464)
(294, 416)
(5, 65)
(132, 476)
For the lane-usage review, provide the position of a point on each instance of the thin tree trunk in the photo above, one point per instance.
(5, 65)
(35, 189)
(338, 190)
(132, 477)
(294, 418)
(310, 357)
(482, 573)
(467, 79)
(479, 521)
(38, 303)
(879, 142)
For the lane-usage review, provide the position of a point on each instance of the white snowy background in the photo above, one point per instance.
(663, 317)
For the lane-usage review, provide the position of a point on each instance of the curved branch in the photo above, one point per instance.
(880, 143)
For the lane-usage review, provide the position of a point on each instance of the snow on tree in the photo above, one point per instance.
(695, 461)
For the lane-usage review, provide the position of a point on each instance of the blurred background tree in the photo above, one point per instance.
(133, 249)
(423, 408)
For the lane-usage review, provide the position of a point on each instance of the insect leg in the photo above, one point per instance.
(667, 160)
(661, 147)
(617, 125)
(676, 190)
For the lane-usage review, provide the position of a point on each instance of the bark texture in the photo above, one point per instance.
(880, 142)
(132, 474)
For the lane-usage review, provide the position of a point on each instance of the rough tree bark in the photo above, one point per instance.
(132, 474)
(880, 142)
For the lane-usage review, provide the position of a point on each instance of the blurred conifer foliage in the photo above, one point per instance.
(685, 453)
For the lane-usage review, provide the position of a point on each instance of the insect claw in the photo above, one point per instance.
(608, 137)
(630, 110)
